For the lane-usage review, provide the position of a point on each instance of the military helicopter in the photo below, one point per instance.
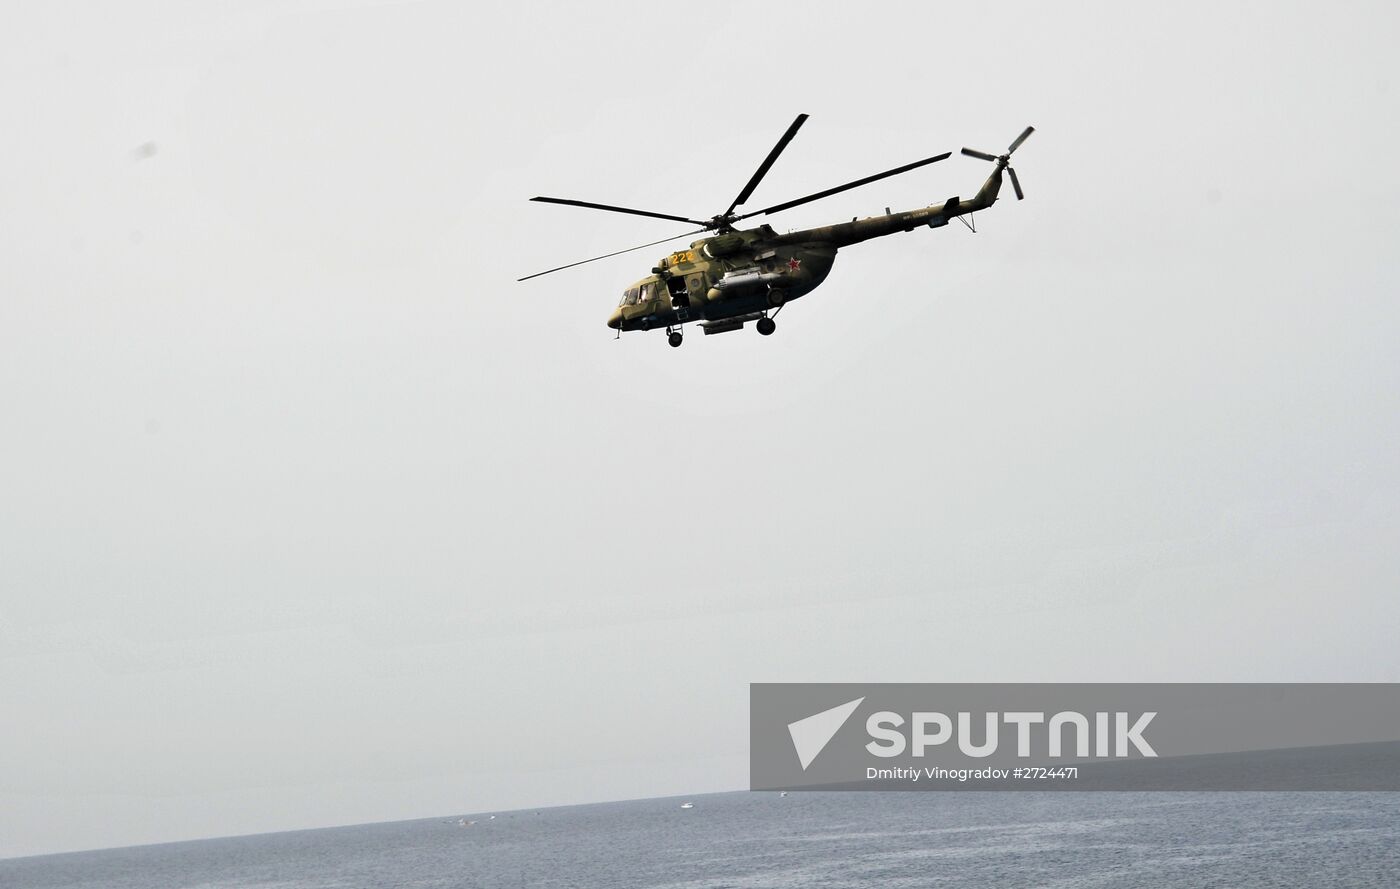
(742, 275)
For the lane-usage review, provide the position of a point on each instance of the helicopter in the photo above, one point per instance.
(735, 276)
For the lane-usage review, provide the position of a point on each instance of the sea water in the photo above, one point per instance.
(954, 839)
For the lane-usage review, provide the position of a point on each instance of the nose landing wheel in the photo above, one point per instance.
(766, 326)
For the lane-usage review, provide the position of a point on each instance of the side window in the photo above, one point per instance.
(646, 293)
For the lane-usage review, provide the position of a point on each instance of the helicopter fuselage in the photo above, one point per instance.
(734, 274)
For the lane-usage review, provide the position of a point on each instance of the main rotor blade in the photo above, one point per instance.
(1019, 139)
(619, 210)
(1016, 184)
(614, 253)
(767, 162)
(849, 185)
(982, 154)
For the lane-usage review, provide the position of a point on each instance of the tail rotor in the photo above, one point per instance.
(1004, 160)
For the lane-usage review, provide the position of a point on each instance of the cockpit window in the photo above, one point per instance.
(629, 298)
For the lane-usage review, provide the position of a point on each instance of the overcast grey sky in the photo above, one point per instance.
(311, 515)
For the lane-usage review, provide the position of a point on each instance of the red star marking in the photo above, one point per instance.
(794, 264)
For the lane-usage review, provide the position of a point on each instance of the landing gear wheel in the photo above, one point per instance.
(766, 326)
(675, 340)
